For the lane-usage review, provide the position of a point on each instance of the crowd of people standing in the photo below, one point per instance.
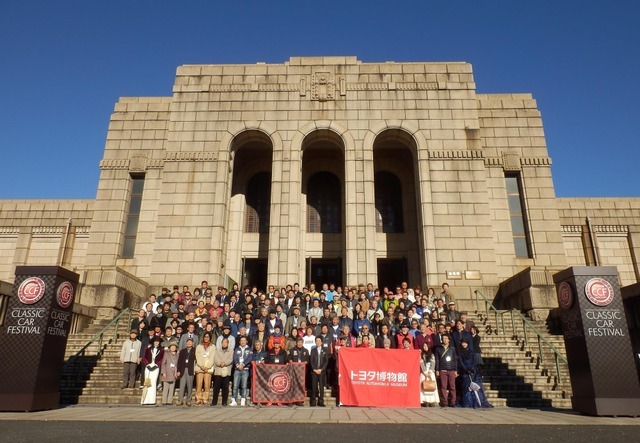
(204, 341)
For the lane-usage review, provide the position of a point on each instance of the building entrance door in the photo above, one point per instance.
(255, 273)
(320, 270)
(391, 272)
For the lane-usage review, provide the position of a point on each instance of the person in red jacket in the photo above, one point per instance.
(404, 333)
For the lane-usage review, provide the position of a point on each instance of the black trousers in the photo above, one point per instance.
(317, 387)
(218, 383)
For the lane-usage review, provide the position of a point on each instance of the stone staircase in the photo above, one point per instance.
(512, 374)
(79, 372)
(97, 380)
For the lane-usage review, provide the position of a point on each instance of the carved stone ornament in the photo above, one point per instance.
(323, 86)
(138, 163)
(510, 161)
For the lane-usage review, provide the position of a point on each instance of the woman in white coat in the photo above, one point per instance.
(429, 396)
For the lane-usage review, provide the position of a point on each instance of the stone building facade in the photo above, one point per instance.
(323, 169)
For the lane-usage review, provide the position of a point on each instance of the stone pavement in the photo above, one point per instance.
(283, 414)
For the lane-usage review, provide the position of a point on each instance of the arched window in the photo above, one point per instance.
(258, 198)
(323, 204)
(388, 203)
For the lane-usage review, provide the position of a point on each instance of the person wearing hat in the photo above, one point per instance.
(152, 360)
(130, 358)
(452, 313)
(226, 333)
(404, 334)
(222, 364)
(168, 371)
(299, 354)
(276, 356)
(272, 321)
(186, 364)
(276, 337)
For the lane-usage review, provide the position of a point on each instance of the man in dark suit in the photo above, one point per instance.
(319, 360)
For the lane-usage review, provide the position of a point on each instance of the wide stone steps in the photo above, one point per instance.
(512, 374)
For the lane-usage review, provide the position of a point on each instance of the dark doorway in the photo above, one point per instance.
(391, 272)
(255, 273)
(320, 270)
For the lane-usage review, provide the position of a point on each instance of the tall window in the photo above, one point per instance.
(133, 217)
(518, 216)
(258, 198)
(323, 204)
(388, 203)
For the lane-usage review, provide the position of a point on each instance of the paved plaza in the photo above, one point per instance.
(284, 414)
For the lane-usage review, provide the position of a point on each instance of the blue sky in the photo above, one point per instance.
(64, 65)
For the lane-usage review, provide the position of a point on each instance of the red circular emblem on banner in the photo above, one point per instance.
(31, 290)
(599, 291)
(64, 294)
(280, 383)
(565, 295)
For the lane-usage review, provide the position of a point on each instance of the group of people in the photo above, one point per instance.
(193, 341)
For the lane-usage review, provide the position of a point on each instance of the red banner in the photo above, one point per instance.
(379, 377)
(278, 383)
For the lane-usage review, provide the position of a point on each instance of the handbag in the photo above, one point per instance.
(429, 385)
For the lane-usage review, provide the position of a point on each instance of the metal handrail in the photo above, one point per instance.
(99, 336)
(526, 323)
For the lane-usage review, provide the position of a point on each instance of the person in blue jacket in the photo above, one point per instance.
(472, 395)
(242, 358)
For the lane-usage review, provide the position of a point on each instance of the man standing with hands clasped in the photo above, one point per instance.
(130, 356)
(319, 361)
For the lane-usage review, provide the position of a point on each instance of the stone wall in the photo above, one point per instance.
(43, 232)
(450, 147)
(611, 236)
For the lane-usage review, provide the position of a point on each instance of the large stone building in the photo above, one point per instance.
(324, 169)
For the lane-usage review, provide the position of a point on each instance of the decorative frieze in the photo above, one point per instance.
(114, 164)
(190, 156)
(495, 162)
(9, 231)
(47, 230)
(457, 154)
(611, 229)
(535, 161)
(572, 229)
(82, 231)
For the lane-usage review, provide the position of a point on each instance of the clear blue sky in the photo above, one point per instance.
(64, 65)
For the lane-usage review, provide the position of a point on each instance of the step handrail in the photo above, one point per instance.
(100, 335)
(526, 323)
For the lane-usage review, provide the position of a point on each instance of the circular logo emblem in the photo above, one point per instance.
(279, 383)
(599, 291)
(31, 290)
(64, 294)
(565, 295)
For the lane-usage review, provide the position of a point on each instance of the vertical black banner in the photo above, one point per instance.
(601, 361)
(34, 337)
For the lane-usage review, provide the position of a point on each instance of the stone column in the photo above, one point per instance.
(286, 224)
